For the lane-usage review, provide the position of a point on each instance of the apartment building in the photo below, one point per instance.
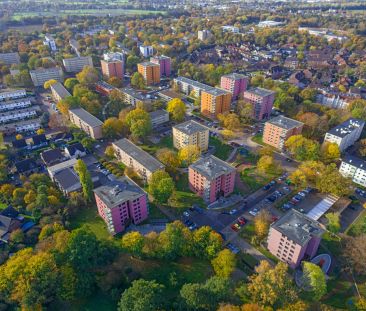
(228, 28)
(262, 101)
(146, 50)
(188, 86)
(112, 68)
(211, 178)
(134, 157)
(214, 102)
(191, 133)
(279, 129)
(104, 88)
(15, 104)
(345, 134)
(159, 117)
(165, 64)
(150, 72)
(9, 58)
(77, 64)
(133, 97)
(16, 115)
(21, 126)
(355, 168)
(12, 94)
(235, 83)
(59, 92)
(120, 203)
(50, 42)
(203, 34)
(40, 76)
(114, 56)
(294, 237)
(87, 122)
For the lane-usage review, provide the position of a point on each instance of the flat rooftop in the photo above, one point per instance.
(194, 83)
(190, 127)
(298, 227)
(347, 127)
(284, 122)
(354, 161)
(139, 155)
(158, 113)
(235, 76)
(133, 93)
(148, 64)
(212, 167)
(216, 92)
(87, 117)
(260, 91)
(119, 191)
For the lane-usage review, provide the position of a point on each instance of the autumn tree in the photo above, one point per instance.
(224, 263)
(112, 128)
(161, 186)
(169, 158)
(330, 152)
(314, 280)
(85, 179)
(334, 224)
(133, 242)
(88, 76)
(109, 152)
(138, 81)
(267, 165)
(302, 148)
(229, 121)
(245, 111)
(70, 83)
(115, 81)
(176, 109)
(139, 122)
(261, 224)
(189, 154)
(354, 252)
(48, 83)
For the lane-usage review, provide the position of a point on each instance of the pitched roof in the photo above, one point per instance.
(51, 155)
(73, 148)
(39, 139)
(87, 117)
(25, 165)
(60, 90)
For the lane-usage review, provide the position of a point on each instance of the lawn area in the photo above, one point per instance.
(166, 142)
(339, 293)
(330, 243)
(97, 302)
(155, 213)
(252, 179)
(359, 226)
(222, 150)
(258, 139)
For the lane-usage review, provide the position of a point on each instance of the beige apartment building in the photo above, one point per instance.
(87, 122)
(191, 133)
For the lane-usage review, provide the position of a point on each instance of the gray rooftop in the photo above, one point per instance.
(260, 91)
(354, 161)
(285, 123)
(347, 127)
(68, 179)
(158, 113)
(87, 117)
(147, 64)
(194, 83)
(119, 191)
(60, 90)
(235, 76)
(212, 167)
(190, 127)
(133, 93)
(139, 155)
(298, 227)
(216, 91)
(160, 57)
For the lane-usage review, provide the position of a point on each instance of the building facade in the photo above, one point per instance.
(279, 129)
(12, 94)
(9, 58)
(345, 134)
(134, 157)
(191, 133)
(150, 71)
(40, 76)
(211, 178)
(7, 105)
(262, 101)
(112, 68)
(146, 50)
(87, 122)
(50, 42)
(159, 117)
(165, 64)
(77, 64)
(59, 92)
(294, 237)
(203, 34)
(214, 102)
(235, 83)
(189, 86)
(120, 203)
(355, 168)
(22, 114)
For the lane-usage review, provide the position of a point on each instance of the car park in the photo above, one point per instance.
(272, 183)
(288, 160)
(287, 206)
(266, 187)
(301, 193)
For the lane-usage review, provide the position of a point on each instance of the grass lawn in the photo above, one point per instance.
(330, 243)
(359, 226)
(258, 139)
(222, 150)
(252, 179)
(155, 213)
(3, 206)
(166, 142)
(339, 293)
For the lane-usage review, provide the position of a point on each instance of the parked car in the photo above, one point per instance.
(288, 160)
(266, 187)
(233, 248)
(233, 211)
(192, 227)
(242, 220)
(235, 227)
(254, 212)
(272, 183)
(186, 214)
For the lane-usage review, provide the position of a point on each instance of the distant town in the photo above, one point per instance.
(163, 155)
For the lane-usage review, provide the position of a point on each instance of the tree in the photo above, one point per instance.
(176, 109)
(330, 152)
(230, 121)
(139, 122)
(115, 81)
(224, 264)
(109, 152)
(48, 83)
(245, 111)
(271, 286)
(206, 242)
(298, 178)
(133, 242)
(70, 84)
(85, 179)
(267, 165)
(302, 148)
(112, 127)
(354, 252)
(88, 76)
(143, 296)
(261, 224)
(40, 131)
(138, 81)
(189, 154)
(161, 186)
(169, 158)
(18, 136)
(314, 279)
(88, 142)
(334, 224)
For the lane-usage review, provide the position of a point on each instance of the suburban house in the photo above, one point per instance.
(26, 167)
(52, 156)
(75, 150)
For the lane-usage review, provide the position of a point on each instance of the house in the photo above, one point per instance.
(39, 141)
(54, 169)
(211, 178)
(7, 226)
(19, 144)
(75, 150)
(52, 156)
(27, 167)
(62, 136)
(294, 237)
(120, 203)
(191, 133)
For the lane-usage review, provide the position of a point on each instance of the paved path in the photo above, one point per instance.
(232, 155)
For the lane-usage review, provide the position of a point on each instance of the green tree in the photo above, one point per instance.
(224, 264)
(85, 179)
(176, 109)
(48, 83)
(70, 84)
(161, 186)
(302, 148)
(138, 81)
(139, 122)
(112, 127)
(330, 152)
(143, 296)
(109, 152)
(169, 158)
(206, 242)
(314, 279)
(267, 165)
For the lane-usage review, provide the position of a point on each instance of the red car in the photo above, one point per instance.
(274, 218)
(235, 227)
(242, 221)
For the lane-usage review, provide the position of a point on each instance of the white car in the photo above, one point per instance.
(186, 214)
(253, 212)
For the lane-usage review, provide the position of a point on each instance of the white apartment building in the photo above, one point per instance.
(50, 42)
(77, 64)
(345, 134)
(203, 34)
(159, 117)
(40, 76)
(12, 94)
(354, 168)
(113, 56)
(188, 86)
(191, 133)
(15, 104)
(146, 50)
(16, 115)
(232, 29)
